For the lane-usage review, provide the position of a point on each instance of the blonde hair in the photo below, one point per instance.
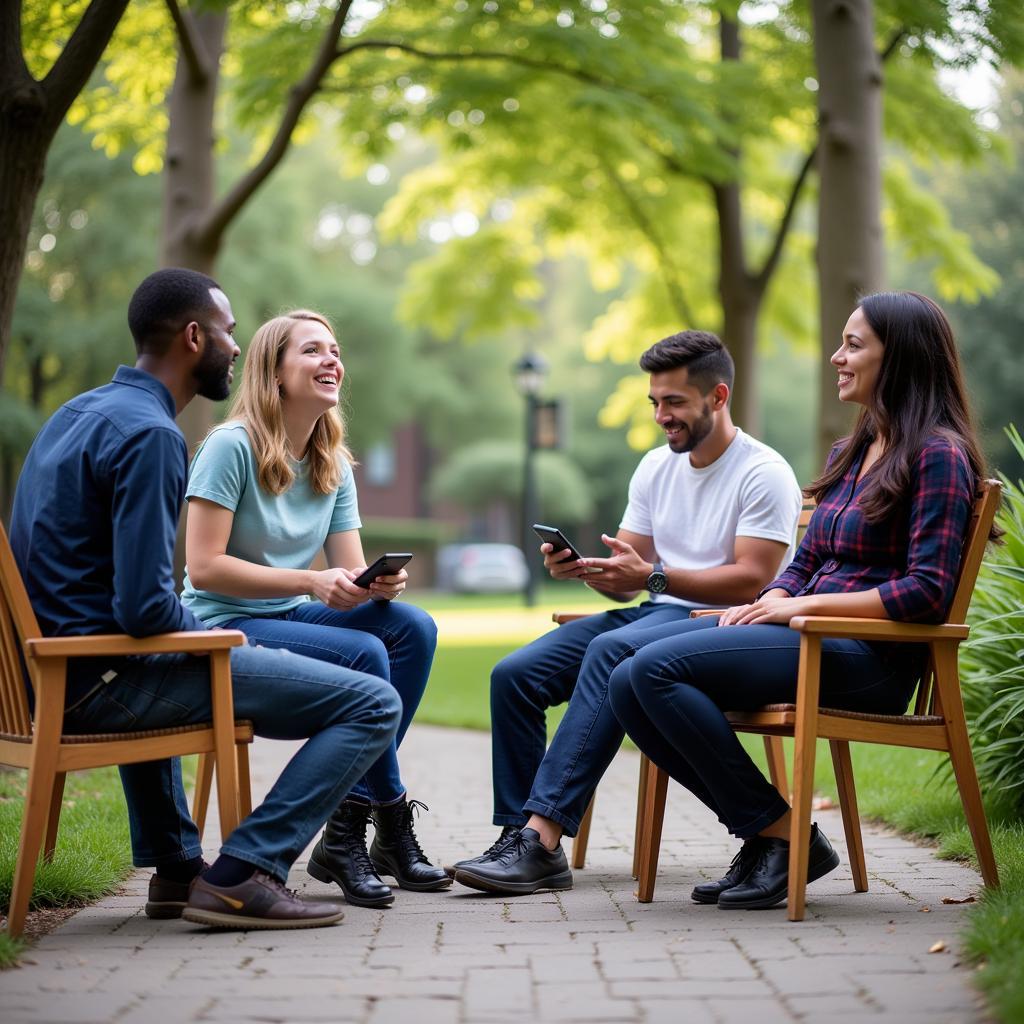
(257, 406)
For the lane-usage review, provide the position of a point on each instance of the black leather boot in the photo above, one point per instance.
(340, 856)
(396, 850)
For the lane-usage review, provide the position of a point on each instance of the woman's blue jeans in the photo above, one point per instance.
(388, 639)
(672, 694)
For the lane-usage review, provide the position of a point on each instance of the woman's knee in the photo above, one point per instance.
(365, 652)
(414, 624)
(620, 690)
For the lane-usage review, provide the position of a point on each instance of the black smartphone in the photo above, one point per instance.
(553, 535)
(387, 565)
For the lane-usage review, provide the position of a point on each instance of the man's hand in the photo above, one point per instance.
(624, 572)
(387, 588)
(561, 564)
(775, 606)
(334, 587)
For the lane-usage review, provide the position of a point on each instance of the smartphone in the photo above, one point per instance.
(387, 565)
(558, 540)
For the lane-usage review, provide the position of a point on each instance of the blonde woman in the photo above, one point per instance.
(269, 489)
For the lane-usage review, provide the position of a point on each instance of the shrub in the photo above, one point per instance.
(992, 661)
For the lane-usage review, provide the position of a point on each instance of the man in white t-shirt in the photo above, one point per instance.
(711, 518)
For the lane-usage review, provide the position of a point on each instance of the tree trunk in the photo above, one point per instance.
(850, 248)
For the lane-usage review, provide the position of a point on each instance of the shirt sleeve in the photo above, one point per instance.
(637, 517)
(346, 507)
(148, 473)
(942, 493)
(769, 503)
(220, 471)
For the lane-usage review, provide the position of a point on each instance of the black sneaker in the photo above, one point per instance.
(767, 885)
(507, 831)
(521, 866)
(739, 870)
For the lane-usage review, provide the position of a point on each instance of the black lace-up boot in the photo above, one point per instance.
(340, 856)
(396, 850)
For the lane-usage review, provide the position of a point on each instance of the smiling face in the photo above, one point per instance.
(858, 360)
(214, 370)
(310, 370)
(683, 413)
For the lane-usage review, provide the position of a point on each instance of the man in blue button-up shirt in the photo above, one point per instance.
(93, 527)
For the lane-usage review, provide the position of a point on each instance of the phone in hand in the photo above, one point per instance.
(387, 565)
(559, 542)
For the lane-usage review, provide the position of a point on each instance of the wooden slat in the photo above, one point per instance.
(875, 629)
(202, 641)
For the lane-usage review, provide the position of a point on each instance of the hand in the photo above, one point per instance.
(560, 564)
(387, 588)
(774, 607)
(625, 571)
(334, 587)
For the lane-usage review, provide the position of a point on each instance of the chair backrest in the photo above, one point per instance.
(17, 624)
(984, 511)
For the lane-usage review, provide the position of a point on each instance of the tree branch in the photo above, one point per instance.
(220, 216)
(14, 71)
(77, 61)
(192, 50)
(669, 273)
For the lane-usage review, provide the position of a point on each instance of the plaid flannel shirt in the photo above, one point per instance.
(912, 557)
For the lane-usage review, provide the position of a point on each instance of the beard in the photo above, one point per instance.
(695, 432)
(211, 374)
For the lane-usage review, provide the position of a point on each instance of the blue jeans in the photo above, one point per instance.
(671, 698)
(388, 639)
(347, 719)
(572, 663)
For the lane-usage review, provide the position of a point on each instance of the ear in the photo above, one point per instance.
(193, 340)
(720, 396)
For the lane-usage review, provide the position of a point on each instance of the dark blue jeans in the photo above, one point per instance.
(572, 663)
(388, 639)
(671, 698)
(347, 719)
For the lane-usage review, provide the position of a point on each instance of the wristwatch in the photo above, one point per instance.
(657, 582)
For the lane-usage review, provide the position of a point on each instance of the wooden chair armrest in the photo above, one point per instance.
(201, 641)
(699, 613)
(876, 629)
(561, 618)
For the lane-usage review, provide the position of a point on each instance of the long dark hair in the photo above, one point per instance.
(919, 393)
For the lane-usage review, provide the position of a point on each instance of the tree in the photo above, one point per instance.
(31, 110)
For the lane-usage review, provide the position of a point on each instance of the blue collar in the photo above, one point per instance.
(137, 378)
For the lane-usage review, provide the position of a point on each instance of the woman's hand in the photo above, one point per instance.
(774, 607)
(387, 588)
(561, 564)
(334, 587)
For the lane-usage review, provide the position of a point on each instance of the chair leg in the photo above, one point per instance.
(843, 766)
(224, 743)
(53, 818)
(244, 781)
(641, 808)
(579, 844)
(777, 764)
(201, 797)
(808, 688)
(654, 814)
(947, 681)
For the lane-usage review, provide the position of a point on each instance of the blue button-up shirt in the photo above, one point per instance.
(95, 515)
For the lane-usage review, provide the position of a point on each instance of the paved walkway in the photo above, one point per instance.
(593, 954)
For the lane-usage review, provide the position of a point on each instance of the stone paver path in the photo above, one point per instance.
(592, 954)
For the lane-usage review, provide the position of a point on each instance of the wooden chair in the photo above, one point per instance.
(644, 868)
(49, 755)
(936, 723)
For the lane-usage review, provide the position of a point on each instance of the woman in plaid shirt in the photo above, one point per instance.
(884, 542)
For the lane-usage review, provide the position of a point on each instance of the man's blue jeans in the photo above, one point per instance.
(347, 718)
(388, 639)
(572, 663)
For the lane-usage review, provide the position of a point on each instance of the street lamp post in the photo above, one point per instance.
(529, 373)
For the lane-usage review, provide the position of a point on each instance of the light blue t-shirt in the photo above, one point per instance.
(281, 530)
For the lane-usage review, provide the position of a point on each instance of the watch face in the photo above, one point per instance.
(657, 583)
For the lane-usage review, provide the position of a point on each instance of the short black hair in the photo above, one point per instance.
(701, 353)
(164, 303)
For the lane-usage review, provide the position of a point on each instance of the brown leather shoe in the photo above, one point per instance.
(260, 902)
(167, 899)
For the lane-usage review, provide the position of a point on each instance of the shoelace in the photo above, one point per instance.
(506, 834)
(405, 834)
(515, 846)
(272, 883)
(352, 834)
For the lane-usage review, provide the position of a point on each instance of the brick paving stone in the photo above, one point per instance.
(592, 953)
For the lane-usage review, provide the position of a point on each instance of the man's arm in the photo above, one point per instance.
(148, 487)
(755, 563)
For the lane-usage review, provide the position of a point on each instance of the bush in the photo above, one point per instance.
(992, 661)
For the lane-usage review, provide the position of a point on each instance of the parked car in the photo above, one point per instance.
(481, 568)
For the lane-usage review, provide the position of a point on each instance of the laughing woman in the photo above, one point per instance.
(269, 489)
(884, 542)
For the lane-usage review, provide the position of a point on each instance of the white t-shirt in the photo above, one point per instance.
(695, 515)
